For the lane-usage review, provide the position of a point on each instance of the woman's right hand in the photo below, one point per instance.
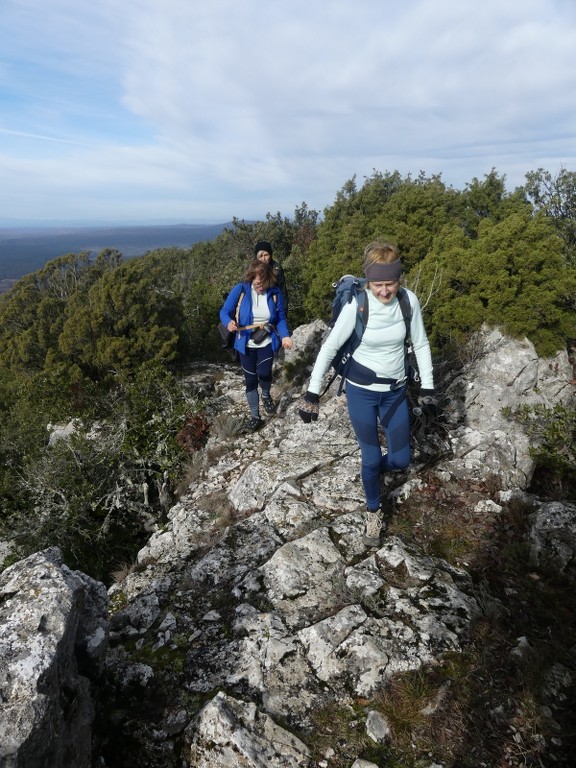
(232, 326)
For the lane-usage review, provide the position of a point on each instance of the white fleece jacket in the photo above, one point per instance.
(382, 345)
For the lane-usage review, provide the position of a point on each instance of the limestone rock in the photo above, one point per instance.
(53, 632)
(259, 597)
(504, 373)
(229, 733)
(553, 537)
(377, 727)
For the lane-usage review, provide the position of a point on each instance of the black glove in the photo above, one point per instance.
(309, 407)
(428, 403)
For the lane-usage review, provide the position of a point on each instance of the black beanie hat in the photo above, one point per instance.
(262, 245)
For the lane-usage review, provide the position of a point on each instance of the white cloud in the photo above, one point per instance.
(252, 107)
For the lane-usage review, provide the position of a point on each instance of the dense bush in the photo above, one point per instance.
(477, 256)
(553, 435)
(95, 492)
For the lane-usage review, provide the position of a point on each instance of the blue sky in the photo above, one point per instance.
(156, 111)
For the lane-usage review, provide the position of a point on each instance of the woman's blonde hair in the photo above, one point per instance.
(380, 252)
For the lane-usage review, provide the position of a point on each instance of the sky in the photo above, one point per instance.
(189, 111)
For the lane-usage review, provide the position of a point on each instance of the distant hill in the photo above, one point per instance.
(25, 250)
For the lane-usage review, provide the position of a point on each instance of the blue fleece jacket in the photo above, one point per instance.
(246, 315)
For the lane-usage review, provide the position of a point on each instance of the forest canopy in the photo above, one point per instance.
(477, 255)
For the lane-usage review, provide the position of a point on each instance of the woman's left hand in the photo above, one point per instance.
(286, 342)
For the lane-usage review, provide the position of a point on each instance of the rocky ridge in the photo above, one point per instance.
(256, 610)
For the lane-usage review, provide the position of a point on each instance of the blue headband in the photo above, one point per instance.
(377, 272)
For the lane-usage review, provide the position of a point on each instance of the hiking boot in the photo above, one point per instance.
(269, 406)
(254, 423)
(373, 526)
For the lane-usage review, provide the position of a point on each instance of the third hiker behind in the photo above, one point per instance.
(263, 252)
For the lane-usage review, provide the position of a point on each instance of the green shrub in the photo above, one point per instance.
(553, 432)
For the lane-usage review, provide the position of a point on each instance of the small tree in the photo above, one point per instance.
(553, 435)
(555, 196)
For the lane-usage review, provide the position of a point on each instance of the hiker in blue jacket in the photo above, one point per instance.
(254, 309)
(376, 383)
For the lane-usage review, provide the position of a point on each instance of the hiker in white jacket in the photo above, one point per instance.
(376, 380)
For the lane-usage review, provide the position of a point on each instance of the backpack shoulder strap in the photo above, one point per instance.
(355, 338)
(406, 308)
(361, 312)
(242, 294)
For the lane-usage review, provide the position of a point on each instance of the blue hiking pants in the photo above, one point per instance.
(367, 409)
(257, 368)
